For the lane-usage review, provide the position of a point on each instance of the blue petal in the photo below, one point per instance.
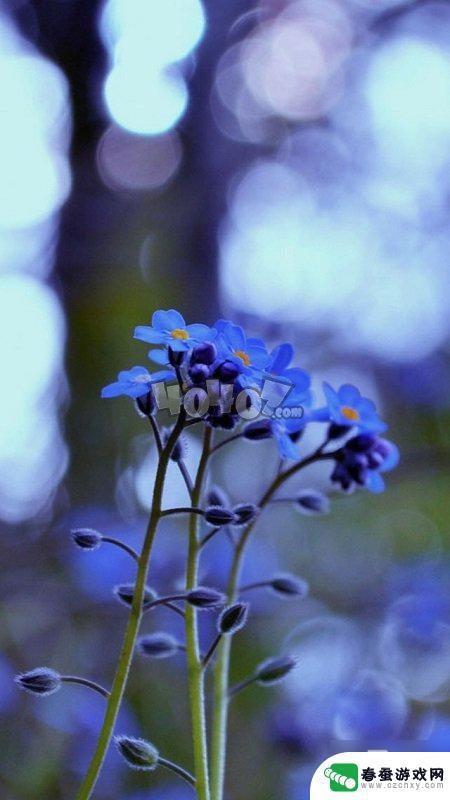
(178, 344)
(349, 395)
(168, 320)
(201, 333)
(258, 356)
(286, 446)
(319, 414)
(149, 335)
(158, 356)
(134, 372)
(221, 325)
(392, 459)
(281, 357)
(235, 337)
(375, 483)
(298, 377)
(162, 375)
(113, 390)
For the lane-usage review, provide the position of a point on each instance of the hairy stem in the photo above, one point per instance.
(222, 666)
(194, 661)
(126, 654)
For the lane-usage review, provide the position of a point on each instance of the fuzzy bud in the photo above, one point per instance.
(336, 431)
(217, 516)
(233, 618)
(275, 669)
(146, 404)
(158, 645)
(257, 431)
(87, 538)
(245, 512)
(311, 502)
(289, 586)
(125, 593)
(227, 372)
(41, 681)
(176, 357)
(198, 373)
(204, 597)
(138, 753)
(179, 450)
(217, 497)
(204, 353)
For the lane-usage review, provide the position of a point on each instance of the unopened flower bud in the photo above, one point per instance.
(311, 502)
(146, 404)
(158, 645)
(336, 431)
(125, 593)
(217, 497)
(227, 372)
(219, 516)
(87, 538)
(204, 353)
(233, 618)
(138, 753)
(275, 669)
(179, 448)
(198, 373)
(245, 512)
(257, 431)
(289, 586)
(42, 681)
(204, 597)
(176, 357)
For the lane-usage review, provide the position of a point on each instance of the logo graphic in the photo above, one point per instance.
(343, 777)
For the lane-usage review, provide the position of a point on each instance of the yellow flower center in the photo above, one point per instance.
(243, 356)
(179, 333)
(350, 413)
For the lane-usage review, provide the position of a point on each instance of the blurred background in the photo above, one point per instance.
(285, 163)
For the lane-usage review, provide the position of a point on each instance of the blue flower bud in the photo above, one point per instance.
(219, 516)
(198, 373)
(41, 681)
(204, 353)
(227, 372)
(125, 593)
(146, 404)
(233, 618)
(257, 431)
(224, 421)
(87, 538)
(179, 450)
(138, 753)
(217, 497)
(336, 431)
(311, 502)
(245, 512)
(158, 645)
(176, 357)
(289, 585)
(275, 669)
(204, 597)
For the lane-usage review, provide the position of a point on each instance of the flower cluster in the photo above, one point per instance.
(225, 379)
(242, 380)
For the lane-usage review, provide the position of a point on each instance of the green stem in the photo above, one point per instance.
(194, 661)
(222, 666)
(126, 654)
